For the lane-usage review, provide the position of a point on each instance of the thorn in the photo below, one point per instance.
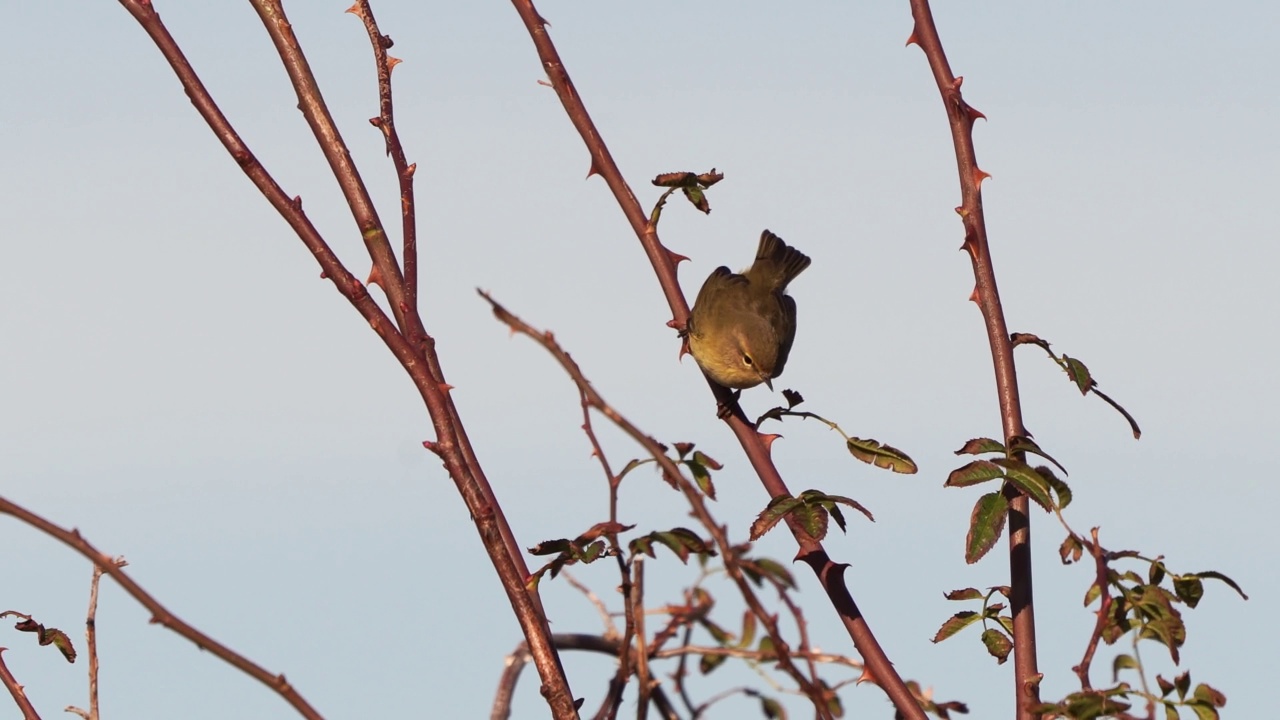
(973, 296)
(684, 349)
(375, 121)
(767, 439)
(979, 176)
(866, 676)
(545, 83)
(444, 387)
(375, 277)
(409, 171)
(974, 113)
(392, 62)
(543, 21)
(594, 170)
(675, 257)
(912, 39)
(355, 10)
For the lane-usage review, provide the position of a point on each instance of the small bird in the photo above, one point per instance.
(742, 325)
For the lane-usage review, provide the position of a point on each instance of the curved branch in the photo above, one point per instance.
(159, 614)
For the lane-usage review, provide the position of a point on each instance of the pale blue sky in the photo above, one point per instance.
(179, 384)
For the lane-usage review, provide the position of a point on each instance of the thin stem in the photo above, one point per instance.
(404, 171)
(961, 118)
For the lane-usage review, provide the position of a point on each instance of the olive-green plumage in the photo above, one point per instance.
(742, 325)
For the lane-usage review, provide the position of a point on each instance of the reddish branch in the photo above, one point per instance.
(15, 689)
(829, 574)
(1101, 579)
(961, 118)
(159, 614)
(406, 337)
(692, 495)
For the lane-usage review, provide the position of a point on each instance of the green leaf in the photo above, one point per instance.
(1024, 444)
(748, 629)
(829, 502)
(772, 709)
(985, 525)
(773, 513)
(1026, 479)
(1060, 488)
(772, 569)
(1093, 593)
(977, 446)
(1205, 693)
(882, 456)
(1078, 373)
(1122, 661)
(697, 198)
(708, 663)
(632, 465)
(702, 475)
(998, 644)
(978, 471)
(1189, 589)
(813, 519)
(955, 624)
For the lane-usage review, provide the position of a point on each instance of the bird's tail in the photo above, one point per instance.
(777, 261)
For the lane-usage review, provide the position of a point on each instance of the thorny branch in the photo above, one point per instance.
(406, 337)
(961, 117)
(830, 574)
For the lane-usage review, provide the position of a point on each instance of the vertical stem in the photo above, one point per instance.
(961, 118)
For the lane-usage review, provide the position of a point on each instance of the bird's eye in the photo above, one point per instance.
(746, 359)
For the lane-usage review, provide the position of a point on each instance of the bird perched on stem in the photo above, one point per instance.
(742, 325)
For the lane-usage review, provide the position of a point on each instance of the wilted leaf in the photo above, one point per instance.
(965, 594)
(882, 456)
(1215, 575)
(1071, 550)
(48, 636)
(772, 709)
(985, 525)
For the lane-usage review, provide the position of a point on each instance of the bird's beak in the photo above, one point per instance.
(768, 382)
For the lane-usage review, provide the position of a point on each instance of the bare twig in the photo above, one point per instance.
(159, 614)
(404, 171)
(829, 574)
(961, 117)
(565, 641)
(91, 642)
